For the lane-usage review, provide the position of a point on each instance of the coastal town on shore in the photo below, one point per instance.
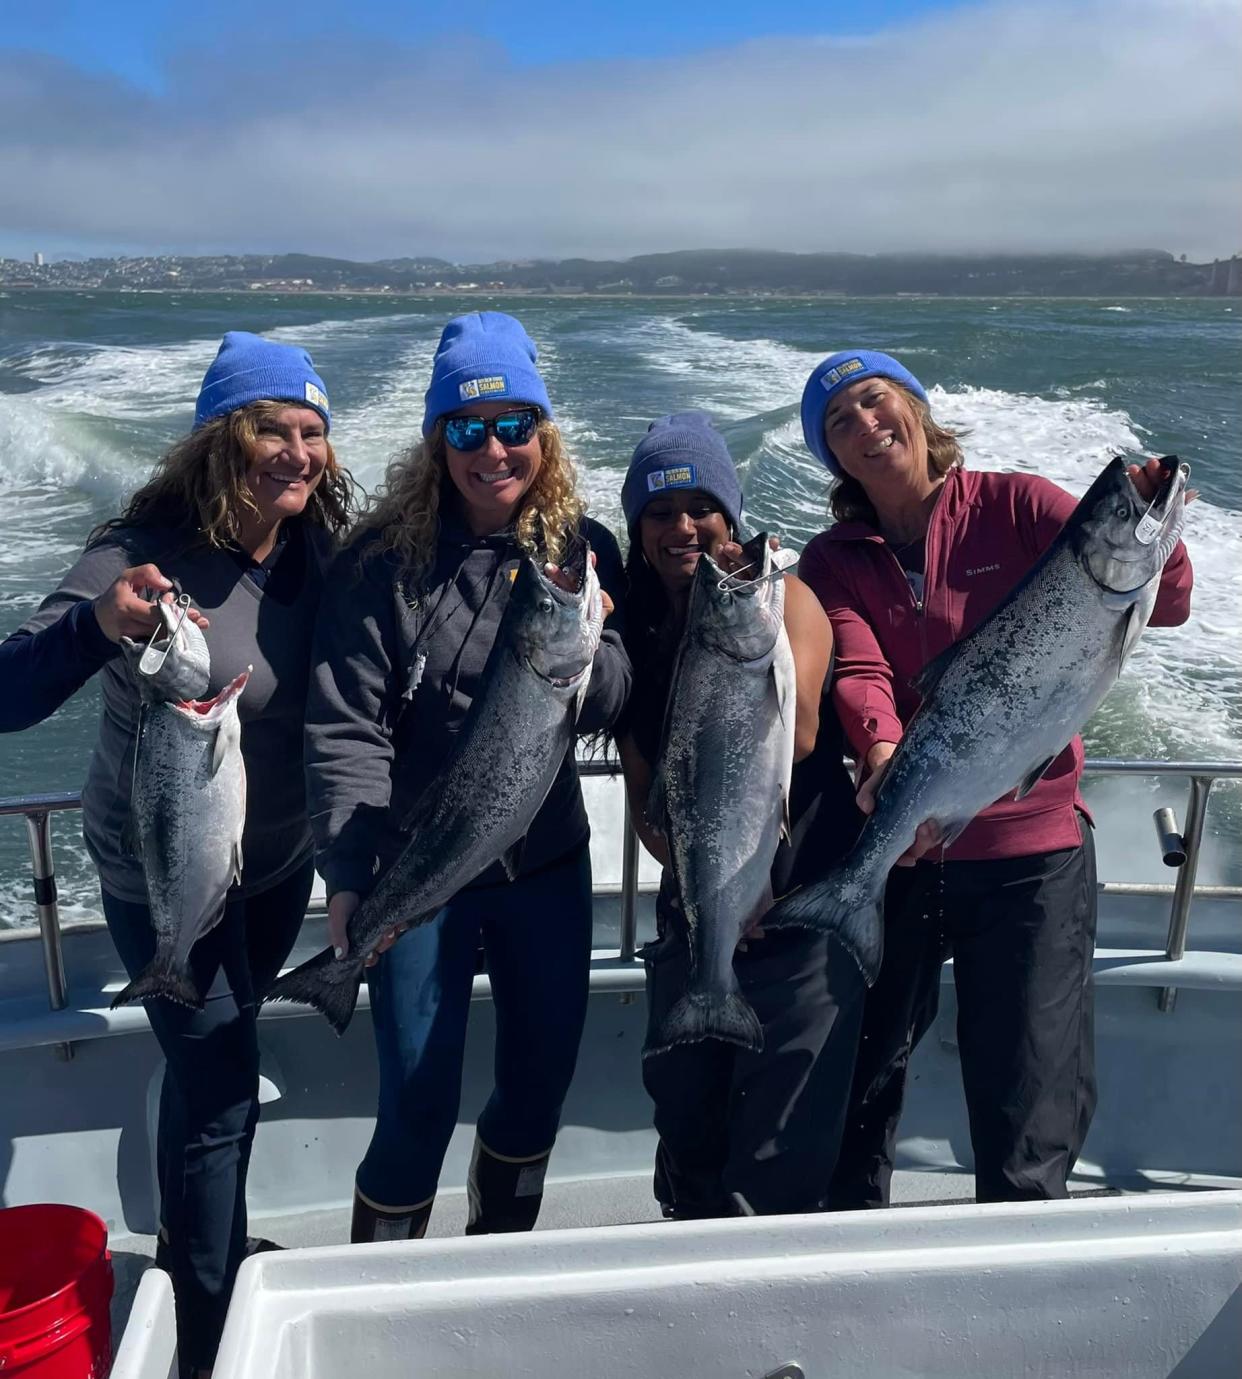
(734, 272)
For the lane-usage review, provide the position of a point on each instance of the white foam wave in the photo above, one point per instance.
(731, 378)
(49, 451)
(119, 381)
(370, 431)
(365, 328)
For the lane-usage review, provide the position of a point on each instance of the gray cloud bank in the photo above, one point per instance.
(1062, 126)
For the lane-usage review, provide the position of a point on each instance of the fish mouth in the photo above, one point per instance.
(1152, 522)
(211, 709)
(574, 565)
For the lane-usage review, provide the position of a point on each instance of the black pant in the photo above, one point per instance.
(1022, 934)
(209, 1102)
(764, 1126)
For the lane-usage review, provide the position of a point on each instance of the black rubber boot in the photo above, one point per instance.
(372, 1223)
(504, 1194)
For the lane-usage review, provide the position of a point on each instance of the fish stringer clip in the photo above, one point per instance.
(153, 657)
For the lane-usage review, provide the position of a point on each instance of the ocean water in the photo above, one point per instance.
(94, 386)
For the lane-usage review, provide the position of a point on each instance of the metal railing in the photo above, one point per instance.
(37, 811)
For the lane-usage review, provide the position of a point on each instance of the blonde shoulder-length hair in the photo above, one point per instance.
(406, 508)
(200, 486)
(848, 501)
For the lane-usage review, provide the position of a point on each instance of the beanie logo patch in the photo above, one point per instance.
(496, 384)
(679, 476)
(316, 396)
(843, 370)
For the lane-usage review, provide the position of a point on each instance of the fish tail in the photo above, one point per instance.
(325, 982)
(822, 908)
(709, 1015)
(163, 976)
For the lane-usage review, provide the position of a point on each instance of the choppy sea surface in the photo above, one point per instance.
(93, 387)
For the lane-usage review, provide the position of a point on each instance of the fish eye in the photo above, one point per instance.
(1122, 510)
(546, 605)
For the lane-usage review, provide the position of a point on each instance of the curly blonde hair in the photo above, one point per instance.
(848, 501)
(406, 507)
(200, 484)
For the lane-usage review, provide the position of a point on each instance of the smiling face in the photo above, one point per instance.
(675, 528)
(876, 435)
(494, 479)
(286, 463)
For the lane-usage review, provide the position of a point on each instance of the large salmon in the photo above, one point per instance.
(721, 788)
(188, 804)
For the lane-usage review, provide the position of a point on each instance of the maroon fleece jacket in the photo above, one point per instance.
(986, 532)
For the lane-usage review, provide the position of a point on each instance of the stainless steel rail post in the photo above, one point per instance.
(629, 891)
(47, 907)
(1183, 892)
(629, 896)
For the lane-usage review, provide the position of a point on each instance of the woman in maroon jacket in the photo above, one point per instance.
(922, 551)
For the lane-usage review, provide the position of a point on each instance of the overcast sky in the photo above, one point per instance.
(907, 126)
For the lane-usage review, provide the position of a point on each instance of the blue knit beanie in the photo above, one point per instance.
(839, 371)
(247, 368)
(483, 357)
(681, 451)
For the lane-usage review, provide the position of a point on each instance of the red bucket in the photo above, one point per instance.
(55, 1290)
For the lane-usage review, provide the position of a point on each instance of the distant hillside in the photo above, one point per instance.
(1141, 273)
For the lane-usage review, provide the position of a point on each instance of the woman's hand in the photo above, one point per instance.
(871, 771)
(1148, 477)
(728, 555)
(121, 611)
(563, 581)
(340, 911)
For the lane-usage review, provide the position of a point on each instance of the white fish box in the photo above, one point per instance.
(1141, 1286)
(148, 1350)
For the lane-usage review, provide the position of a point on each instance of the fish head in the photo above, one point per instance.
(556, 631)
(1123, 539)
(175, 663)
(739, 614)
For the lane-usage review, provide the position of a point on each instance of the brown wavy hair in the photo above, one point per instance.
(848, 501)
(406, 507)
(200, 484)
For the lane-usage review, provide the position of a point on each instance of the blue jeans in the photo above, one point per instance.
(536, 934)
(209, 1101)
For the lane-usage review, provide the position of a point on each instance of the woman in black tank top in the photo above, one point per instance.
(740, 1132)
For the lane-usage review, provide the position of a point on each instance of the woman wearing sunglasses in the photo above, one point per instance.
(412, 611)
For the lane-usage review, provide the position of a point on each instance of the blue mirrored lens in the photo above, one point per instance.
(515, 428)
(465, 433)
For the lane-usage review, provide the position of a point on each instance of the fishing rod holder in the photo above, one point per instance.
(1172, 844)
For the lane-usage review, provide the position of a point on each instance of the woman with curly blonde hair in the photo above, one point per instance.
(241, 515)
(413, 608)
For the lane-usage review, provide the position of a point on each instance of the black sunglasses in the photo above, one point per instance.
(509, 428)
